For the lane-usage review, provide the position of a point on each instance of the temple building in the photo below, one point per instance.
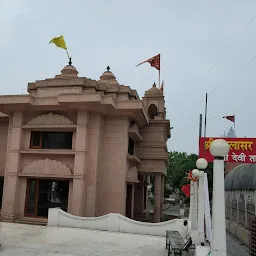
(86, 146)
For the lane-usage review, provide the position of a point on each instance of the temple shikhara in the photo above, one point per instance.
(89, 147)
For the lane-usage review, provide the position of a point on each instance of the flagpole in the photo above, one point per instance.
(200, 129)
(159, 78)
(70, 60)
(205, 118)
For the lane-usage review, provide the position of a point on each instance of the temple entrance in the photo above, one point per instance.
(129, 201)
(43, 194)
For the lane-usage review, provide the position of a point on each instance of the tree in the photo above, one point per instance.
(179, 164)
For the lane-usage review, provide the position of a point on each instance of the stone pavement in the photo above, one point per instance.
(21, 240)
(234, 247)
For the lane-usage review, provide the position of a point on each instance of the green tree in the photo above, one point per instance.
(179, 165)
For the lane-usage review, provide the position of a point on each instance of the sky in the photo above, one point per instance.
(205, 46)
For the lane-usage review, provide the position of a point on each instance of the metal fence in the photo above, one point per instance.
(252, 229)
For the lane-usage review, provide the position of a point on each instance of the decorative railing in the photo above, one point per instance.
(116, 223)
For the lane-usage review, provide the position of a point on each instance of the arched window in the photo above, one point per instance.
(241, 207)
(234, 208)
(228, 205)
(152, 111)
(250, 207)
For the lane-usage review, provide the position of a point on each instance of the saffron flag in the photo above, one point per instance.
(230, 118)
(59, 42)
(154, 62)
(186, 190)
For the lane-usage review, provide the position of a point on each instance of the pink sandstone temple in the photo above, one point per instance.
(89, 147)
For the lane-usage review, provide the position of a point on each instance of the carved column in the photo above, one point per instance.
(11, 183)
(92, 197)
(162, 196)
(146, 182)
(139, 198)
(157, 197)
(132, 206)
(80, 163)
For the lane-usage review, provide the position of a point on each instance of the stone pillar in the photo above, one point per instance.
(145, 195)
(11, 182)
(132, 206)
(139, 199)
(157, 198)
(80, 163)
(162, 196)
(93, 172)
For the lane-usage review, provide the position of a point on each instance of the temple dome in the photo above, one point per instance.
(108, 77)
(242, 176)
(68, 71)
(153, 92)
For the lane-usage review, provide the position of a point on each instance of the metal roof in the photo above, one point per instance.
(241, 177)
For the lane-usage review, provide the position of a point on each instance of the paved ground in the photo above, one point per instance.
(234, 247)
(19, 239)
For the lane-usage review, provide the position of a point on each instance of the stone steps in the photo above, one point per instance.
(32, 221)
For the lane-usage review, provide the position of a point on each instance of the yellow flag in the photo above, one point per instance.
(59, 42)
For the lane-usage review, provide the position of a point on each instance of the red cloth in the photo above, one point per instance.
(230, 118)
(186, 190)
(154, 62)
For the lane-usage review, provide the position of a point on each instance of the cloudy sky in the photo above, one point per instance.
(205, 46)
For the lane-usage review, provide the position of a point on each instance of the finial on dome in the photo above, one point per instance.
(70, 61)
(154, 85)
(108, 77)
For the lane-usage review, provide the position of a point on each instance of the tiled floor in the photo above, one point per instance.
(234, 247)
(19, 239)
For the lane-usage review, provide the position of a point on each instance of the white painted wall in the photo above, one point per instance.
(116, 223)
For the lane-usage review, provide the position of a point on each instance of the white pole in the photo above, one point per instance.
(207, 212)
(194, 206)
(201, 208)
(191, 199)
(218, 245)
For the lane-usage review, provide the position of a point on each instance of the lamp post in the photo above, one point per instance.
(219, 148)
(201, 164)
(194, 211)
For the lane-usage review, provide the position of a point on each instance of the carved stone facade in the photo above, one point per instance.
(46, 168)
(132, 175)
(50, 119)
(116, 142)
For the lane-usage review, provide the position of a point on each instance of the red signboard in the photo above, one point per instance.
(242, 150)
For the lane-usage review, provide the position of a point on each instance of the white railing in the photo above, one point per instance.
(116, 223)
